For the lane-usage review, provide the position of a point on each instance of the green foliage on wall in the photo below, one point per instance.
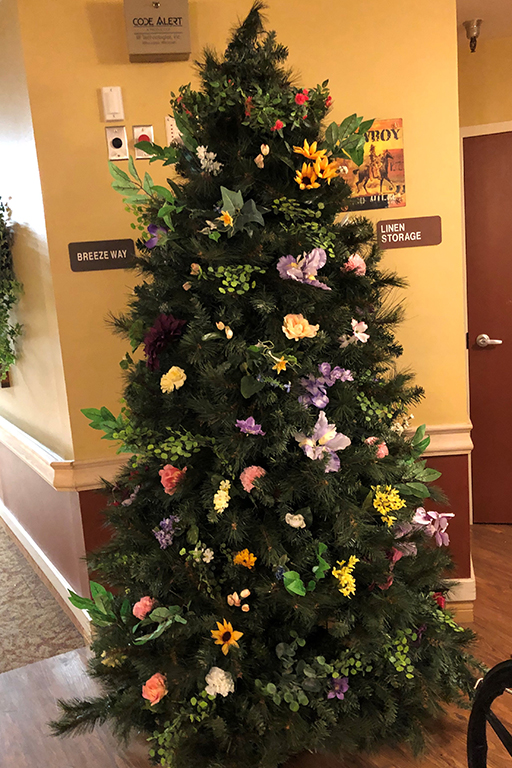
(10, 291)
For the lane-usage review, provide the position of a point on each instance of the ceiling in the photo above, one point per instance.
(496, 16)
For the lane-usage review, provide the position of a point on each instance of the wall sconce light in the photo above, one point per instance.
(472, 32)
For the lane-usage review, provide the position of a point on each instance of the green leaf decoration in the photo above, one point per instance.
(249, 385)
(321, 570)
(165, 617)
(419, 435)
(133, 169)
(294, 584)
(231, 201)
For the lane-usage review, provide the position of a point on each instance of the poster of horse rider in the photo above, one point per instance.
(380, 181)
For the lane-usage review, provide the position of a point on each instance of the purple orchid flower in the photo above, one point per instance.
(165, 534)
(324, 441)
(316, 386)
(339, 687)
(435, 524)
(156, 233)
(316, 391)
(249, 427)
(304, 268)
(332, 375)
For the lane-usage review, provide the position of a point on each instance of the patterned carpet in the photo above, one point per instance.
(33, 625)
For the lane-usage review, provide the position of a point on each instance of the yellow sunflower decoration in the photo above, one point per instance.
(326, 170)
(310, 151)
(307, 177)
(226, 636)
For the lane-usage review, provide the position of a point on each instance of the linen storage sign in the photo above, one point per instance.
(157, 30)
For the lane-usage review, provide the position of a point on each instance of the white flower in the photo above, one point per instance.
(208, 555)
(296, 521)
(358, 329)
(207, 161)
(219, 681)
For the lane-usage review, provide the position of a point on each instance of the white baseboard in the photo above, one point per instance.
(463, 590)
(54, 578)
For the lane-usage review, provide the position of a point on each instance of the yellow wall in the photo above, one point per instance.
(382, 61)
(484, 79)
(37, 400)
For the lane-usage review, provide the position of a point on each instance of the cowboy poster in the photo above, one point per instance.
(379, 182)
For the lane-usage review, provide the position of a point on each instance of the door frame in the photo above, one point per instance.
(468, 131)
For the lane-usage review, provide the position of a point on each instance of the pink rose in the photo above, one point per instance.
(355, 264)
(143, 607)
(170, 477)
(155, 688)
(249, 475)
(382, 449)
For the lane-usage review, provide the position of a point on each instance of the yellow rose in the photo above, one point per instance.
(173, 379)
(297, 327)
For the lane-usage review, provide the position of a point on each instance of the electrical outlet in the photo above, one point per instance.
(117, 142)
(171, 131)
(142, 133)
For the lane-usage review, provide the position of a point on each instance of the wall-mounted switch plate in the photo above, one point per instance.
(171, 131)
(112, 99)
(117, 142)
(142, 133)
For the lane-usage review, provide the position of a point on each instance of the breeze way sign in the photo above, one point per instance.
(409, 233)
(101, 254)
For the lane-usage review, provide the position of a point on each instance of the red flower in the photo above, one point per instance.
(328, 102)
(301, 98)
(440, 599)
(278, 125)
(248, 106)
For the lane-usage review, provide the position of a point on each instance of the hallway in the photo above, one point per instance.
(28, 695)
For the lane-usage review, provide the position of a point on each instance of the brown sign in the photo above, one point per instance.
(101, 254)
(409, 233)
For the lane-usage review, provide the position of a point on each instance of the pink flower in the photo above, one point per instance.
(440, 599)
(278, 125)
(155, 688)
(382, 449)
(301, 98)
(170, 477)
(328, 102)
(355, 264)
(143, 607)
(249, 475)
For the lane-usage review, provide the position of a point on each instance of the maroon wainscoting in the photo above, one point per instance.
(96, 533)
(52, 518)
(455, 483)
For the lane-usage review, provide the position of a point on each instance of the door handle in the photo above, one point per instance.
(483, 340)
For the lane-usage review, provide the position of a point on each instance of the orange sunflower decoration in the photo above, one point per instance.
(226, 636)
(310, 151)
(307, 177)
(245, 558)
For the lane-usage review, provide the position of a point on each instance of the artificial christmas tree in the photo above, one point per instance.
(277, 573)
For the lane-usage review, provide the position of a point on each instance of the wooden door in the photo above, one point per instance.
(488, 201)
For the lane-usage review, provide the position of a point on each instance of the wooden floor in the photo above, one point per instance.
(28, 695)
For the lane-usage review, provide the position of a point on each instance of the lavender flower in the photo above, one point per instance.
(249, 426)
(304, 268)
(435, 524)
(166, 328)
(324, 441)
(157, 233)
(165, 535)
(280, 571)
(316, 386)
(339, 687)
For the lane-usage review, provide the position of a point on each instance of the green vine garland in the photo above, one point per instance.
(10, 291)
